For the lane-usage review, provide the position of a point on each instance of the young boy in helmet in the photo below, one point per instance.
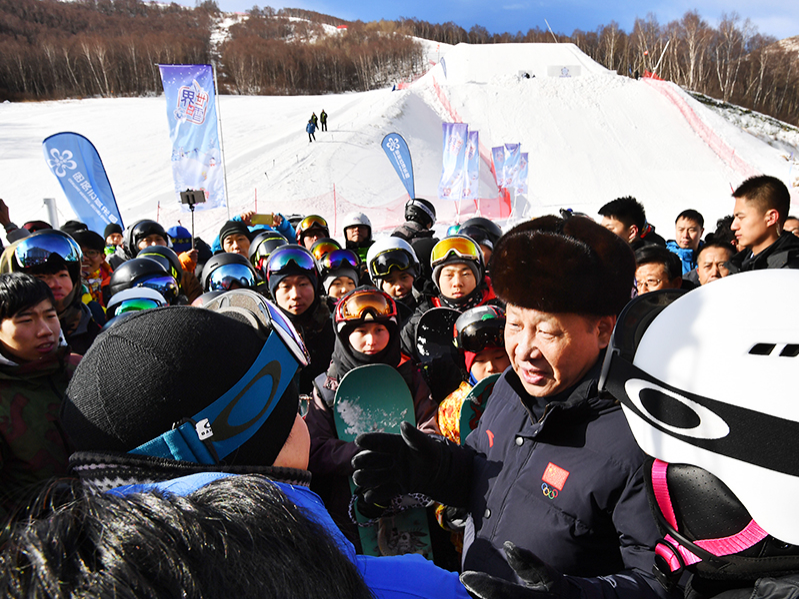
(35, 368)
(293, 278)
(357, 230)
(393, 267)
(710, 433)
(54, 257)
(364, 336)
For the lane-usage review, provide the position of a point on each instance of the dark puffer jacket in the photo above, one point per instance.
(782, 254)
(567, 486)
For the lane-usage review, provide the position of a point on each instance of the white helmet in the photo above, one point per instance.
(706, 381)
(391, 254)
(354, 219)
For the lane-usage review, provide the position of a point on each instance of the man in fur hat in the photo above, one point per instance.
(551, 475)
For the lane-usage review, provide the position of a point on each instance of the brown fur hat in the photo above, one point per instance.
(560, 265)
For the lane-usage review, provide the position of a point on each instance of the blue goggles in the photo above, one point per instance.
(231, 276)
(36, 250)
(228, 422)
(284, 256)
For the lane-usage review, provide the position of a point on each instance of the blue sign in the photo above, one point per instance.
(397, 151)
(75, 162)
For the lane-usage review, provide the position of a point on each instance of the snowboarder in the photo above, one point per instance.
(310, 128)
(323, 119)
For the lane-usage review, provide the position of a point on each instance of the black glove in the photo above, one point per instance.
(390, 465)
(540, 580)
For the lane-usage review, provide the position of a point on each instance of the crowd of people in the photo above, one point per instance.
(182, 395)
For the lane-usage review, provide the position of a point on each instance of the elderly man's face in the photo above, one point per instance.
(551, 352)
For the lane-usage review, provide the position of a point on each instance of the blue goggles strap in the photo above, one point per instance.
(232, 419)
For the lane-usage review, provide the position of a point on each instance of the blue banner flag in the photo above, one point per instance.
(472, 183)
(191, 112)
(498, 156)
(512, 154)
(75, 162)
(397, 151)
(453, 172)
(521, 178)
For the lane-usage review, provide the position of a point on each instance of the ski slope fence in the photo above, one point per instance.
(719, 146)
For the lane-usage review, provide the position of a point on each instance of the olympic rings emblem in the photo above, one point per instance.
(549, 492)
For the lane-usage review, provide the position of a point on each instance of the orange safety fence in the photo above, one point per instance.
(719, 146)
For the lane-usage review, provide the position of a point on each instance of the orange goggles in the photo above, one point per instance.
(358, 305)
(311, 222)
(321, 248)
(462, 246)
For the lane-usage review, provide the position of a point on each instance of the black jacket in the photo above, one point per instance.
(568, 487)
(782, 254)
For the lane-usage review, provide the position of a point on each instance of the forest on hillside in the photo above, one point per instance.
(51, 49)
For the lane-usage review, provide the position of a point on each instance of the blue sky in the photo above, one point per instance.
(779, 18)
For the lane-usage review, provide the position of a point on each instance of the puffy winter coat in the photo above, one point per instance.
(782, 254)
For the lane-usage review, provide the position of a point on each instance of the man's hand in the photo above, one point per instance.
(390, 465)
(540, 580)
(246, 217)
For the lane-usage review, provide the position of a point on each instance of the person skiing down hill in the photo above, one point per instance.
(310, 128)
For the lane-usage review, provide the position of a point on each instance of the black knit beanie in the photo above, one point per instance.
(158, 367)
(231, 227)
(112, 228)
(89, 239)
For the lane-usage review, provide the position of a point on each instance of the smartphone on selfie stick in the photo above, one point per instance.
(192, 197)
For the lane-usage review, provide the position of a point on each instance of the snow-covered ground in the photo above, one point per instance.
(591, 137)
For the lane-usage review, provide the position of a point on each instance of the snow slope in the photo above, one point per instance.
(591, 137)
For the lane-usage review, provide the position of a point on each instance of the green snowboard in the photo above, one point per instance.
(474, 405)
(376, 398)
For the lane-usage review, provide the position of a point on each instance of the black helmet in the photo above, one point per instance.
(420, 210)
(480, 328)
(140, 230)
(45, 249)
(146, 272)
(167, 257)
(225, 269)
(262, 246)
(481, 229)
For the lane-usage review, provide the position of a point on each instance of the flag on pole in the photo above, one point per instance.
(191, 112)
(75, 162)
(511, 167)
(453, 173)
(521, 177)
(498, 156)
(397, 151)
(472, 182)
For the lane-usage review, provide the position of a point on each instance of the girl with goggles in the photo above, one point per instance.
(366, 334)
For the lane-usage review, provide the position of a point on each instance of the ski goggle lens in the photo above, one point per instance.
(381, 265)
(355, 306)
(311, 222)
(320, 250)
(288, 333)
(461, 246)
(164, 285)
(132, 305)
(476, 337)
(283, 257)
(339, 259)
(35, 250)
(227, 276)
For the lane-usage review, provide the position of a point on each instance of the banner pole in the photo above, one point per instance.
(221, 139)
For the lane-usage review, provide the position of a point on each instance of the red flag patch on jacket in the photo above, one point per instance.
(555, 476)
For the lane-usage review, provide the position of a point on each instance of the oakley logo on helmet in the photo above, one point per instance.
(203, 429)
(222, 429)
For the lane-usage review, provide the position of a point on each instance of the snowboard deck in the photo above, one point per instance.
(474, 405)
(375, 398)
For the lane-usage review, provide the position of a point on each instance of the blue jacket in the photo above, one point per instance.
(687, 256)
(310, 127)
(285, 229)
(407, 576)
(563, 478)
